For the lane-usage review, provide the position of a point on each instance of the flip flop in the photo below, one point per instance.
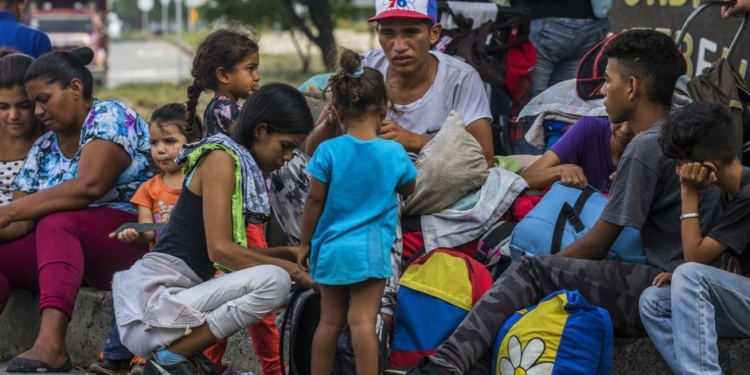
(25, 365)
(141, 227)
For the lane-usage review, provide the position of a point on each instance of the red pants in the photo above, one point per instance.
(66, 249)
(265, 339)
(264, 335)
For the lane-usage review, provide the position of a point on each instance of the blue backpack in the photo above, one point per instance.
(562, 335)
(563, 216)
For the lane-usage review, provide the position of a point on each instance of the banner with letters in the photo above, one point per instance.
(707, 39)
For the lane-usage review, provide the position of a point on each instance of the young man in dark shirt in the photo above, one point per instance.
(641, 73)
(703, 301)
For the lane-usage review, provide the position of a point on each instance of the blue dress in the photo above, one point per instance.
(353, 237)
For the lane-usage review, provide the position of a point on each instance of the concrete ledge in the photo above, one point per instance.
(19, 325)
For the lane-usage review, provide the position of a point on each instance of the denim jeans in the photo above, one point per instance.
(113, 348)
(560, 44)
(685, 319)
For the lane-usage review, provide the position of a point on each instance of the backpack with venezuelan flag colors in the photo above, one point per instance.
(436, 292)
(563, 334)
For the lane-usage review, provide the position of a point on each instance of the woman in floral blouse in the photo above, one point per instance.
(72, 191)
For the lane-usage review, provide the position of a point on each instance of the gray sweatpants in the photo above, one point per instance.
(615, 286)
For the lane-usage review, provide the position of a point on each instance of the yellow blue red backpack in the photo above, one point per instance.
(436, 293)
(563, 334)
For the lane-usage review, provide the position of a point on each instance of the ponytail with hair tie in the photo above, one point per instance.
(357, 73)
(356, 90)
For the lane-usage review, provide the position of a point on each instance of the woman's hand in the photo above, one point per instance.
(303, 258)
(572, 175)
(662, 279)
(696, 176)
(303, 278)
(126, 236)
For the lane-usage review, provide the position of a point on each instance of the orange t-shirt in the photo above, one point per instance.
(158, 197)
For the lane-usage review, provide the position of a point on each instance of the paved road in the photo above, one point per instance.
(146, 61)
(74, 372)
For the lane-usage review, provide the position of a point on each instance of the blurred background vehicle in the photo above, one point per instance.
(114, 26)
(72, 24)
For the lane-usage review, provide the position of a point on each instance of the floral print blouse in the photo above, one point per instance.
(109, 120)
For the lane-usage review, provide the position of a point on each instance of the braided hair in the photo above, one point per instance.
(223, 48)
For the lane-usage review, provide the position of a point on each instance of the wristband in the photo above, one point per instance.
(689, 216)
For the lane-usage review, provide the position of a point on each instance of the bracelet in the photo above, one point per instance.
(689, 216)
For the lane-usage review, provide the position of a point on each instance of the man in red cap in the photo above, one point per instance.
(423, 85)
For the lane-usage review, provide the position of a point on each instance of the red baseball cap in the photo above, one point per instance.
(419, 9)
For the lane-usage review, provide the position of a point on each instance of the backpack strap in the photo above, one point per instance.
(288, 312)
(419, 254)
(569, 214)
(492, 239)
(583, 198)
(480, 44)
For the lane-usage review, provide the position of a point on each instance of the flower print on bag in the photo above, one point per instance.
(524, 360)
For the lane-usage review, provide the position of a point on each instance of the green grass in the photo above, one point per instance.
(194, 37)
(288, 69)
(145, 98)
(285, 68)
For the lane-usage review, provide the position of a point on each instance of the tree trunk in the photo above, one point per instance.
(304, 56)
(319, 12)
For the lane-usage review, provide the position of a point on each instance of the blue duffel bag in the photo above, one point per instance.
(564, 215)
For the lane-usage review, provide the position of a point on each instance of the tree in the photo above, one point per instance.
(303, 13)
(314, 18)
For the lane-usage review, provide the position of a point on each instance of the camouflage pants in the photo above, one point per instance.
(615, 286)
(289, 186)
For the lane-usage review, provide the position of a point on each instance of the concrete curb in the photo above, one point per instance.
(19, 325)
(88, 329)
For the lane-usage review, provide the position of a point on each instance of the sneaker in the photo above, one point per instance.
(204, 365)
(136, 365)
(180, 368)
(427, 367)
(103, 366)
